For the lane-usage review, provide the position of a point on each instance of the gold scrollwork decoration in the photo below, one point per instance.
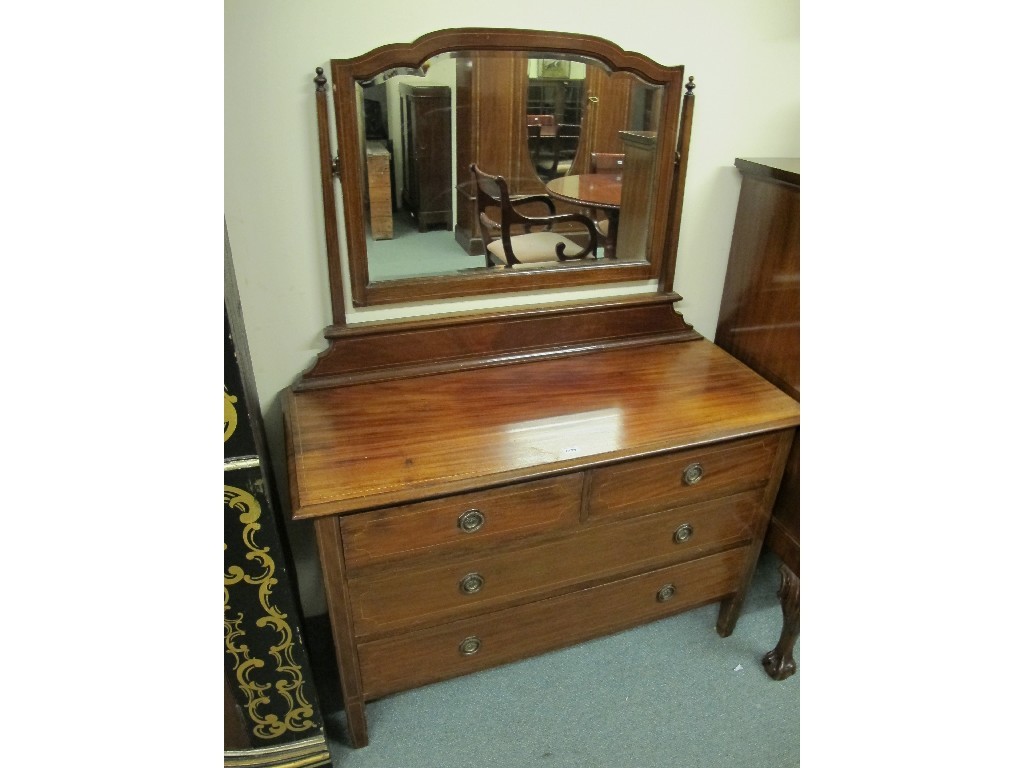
(289, 685)
(230, 415)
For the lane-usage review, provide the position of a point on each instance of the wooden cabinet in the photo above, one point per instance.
(427, 155)
(478, 516)
(633, 234)
(759, 323)
(759, 319)
(378, 189)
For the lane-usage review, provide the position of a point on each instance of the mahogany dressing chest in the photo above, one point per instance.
(494, 484)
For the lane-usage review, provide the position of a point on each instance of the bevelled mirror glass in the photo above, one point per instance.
(481, 161)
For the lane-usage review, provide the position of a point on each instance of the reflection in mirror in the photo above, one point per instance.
(554, 114)
(587, 132)
(419, 126)
(409, 172)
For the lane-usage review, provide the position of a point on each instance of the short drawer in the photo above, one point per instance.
(645, 485)
(448, 589)
(417, 658)
(485, 517)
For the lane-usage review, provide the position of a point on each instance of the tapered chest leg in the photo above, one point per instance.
(328, 536)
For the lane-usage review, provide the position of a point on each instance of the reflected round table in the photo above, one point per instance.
(602, 191)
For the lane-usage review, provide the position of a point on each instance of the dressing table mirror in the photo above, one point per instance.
(495, 484)
(527, 105)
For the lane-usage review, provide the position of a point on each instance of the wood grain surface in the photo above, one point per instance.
(363, 446)
(417, 658)
(405, 598)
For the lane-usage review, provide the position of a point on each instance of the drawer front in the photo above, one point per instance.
(467, 520)
(645, 485)
(438, 653)
(448, 589)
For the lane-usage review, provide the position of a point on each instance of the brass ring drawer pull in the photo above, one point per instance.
(471, 520)
(693, 473)
(471, 583)
(683, 532)
(666, 593)
(470, 645)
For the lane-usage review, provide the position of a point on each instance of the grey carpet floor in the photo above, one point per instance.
(668, 694)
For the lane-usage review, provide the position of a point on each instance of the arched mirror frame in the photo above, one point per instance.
(670, 160)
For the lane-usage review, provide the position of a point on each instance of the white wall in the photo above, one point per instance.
(743, 55)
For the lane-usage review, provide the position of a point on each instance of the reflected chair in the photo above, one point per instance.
(566, 145)
(546, 123)
(510, 240)
(605, 162)
(541, 136)
(553, 147)
(533, 141)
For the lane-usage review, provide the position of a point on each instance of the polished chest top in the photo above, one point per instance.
(369, 445)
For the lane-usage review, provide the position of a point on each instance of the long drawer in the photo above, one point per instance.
(446, 589)
(464, 521)
(417, 658)
(684, 477)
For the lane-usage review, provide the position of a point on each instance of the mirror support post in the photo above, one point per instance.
(327, 172)
(682, 153)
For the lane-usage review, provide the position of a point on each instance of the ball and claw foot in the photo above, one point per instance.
(778, 666)
(778, 662)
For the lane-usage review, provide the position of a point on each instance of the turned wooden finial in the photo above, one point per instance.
(321, 81)
(690, 86)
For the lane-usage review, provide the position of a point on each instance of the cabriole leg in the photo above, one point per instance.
(778, 663)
